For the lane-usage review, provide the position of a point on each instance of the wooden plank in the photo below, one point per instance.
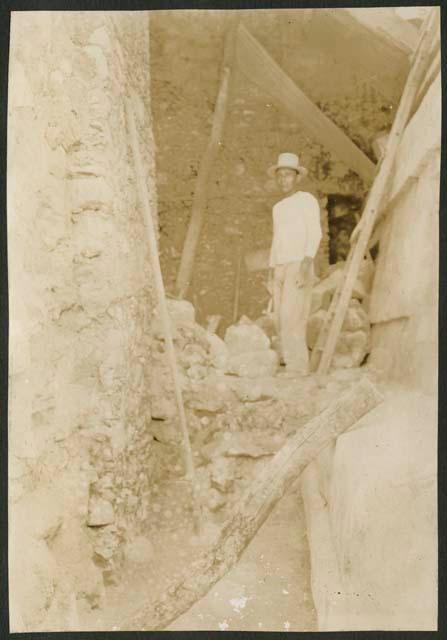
(237, 285)
(256, 504)
(322, 336)
(366, 225)
(159, 287)
(260, 68)
(200, 194)
(410, 161)
(433, 71)
(385, 24)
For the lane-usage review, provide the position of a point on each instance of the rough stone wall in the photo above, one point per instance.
(80, 306)
(318, 56)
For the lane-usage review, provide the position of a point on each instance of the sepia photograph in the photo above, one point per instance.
(223, 272)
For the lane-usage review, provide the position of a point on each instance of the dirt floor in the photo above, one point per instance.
(269, 588)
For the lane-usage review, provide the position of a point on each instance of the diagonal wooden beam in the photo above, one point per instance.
(362, 233)
(254, 507)
(383, 23)
(197, 219)
(258, 65)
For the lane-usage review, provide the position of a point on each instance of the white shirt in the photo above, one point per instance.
(296, 228)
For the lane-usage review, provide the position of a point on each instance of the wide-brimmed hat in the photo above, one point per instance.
(287, 161)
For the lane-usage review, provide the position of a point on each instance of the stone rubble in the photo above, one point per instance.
(239, 412)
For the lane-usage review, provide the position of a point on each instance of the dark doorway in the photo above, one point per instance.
(343, 214)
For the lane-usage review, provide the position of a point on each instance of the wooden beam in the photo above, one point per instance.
(256, 504)
(384, 24)
(372, 207)
(260, 68)
(432, 73)
(200, 194)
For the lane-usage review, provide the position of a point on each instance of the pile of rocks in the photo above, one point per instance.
(249, 352)
(354, 341)
(204, 358)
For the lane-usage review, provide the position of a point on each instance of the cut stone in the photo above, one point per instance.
(351, 349)
(218, 351)
(222, 474)
(215, 500)
(314, 325)
(209, 396)
(253, 364)
(100, 512)
(243, 338)
(253, 444)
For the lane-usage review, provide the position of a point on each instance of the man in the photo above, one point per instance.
(296, 238)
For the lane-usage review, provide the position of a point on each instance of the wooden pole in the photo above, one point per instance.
(200, 194)
(163, 309)
(260, 68)
(237, 285)
(319, 344)
(378, 189)
(257, 502)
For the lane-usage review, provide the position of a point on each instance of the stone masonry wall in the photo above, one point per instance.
(80, 307)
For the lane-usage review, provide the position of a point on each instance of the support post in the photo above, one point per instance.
(364, 229)
(163, 308)
(200, 194)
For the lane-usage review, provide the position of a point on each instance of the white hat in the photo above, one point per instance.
(287, 161)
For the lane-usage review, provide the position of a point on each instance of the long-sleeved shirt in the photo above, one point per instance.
(296, 228)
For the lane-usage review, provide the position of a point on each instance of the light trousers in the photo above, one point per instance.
(291, 302)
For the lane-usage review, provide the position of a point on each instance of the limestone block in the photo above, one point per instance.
(314, 325)
(322, 292)
(218, 351)
(215, 500)
(165, 432)
(356, 317)
(73, 550)
(243, 338)
(384, 522)
(249, 391)
(108, 542)
(253, 364)
(197, 372)
(351, 349)
(100, 512)
(89, 193)
(34, 575)
(163, 406)
(181, 312)
(96, 54)
(253, 444)
(265, 323)
(222, 473)
(192, 354)
(140, 550)
(101, 38)
(40, 512)
(20, 92)
(210, 395)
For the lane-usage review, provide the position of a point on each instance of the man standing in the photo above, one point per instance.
(296, 238)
